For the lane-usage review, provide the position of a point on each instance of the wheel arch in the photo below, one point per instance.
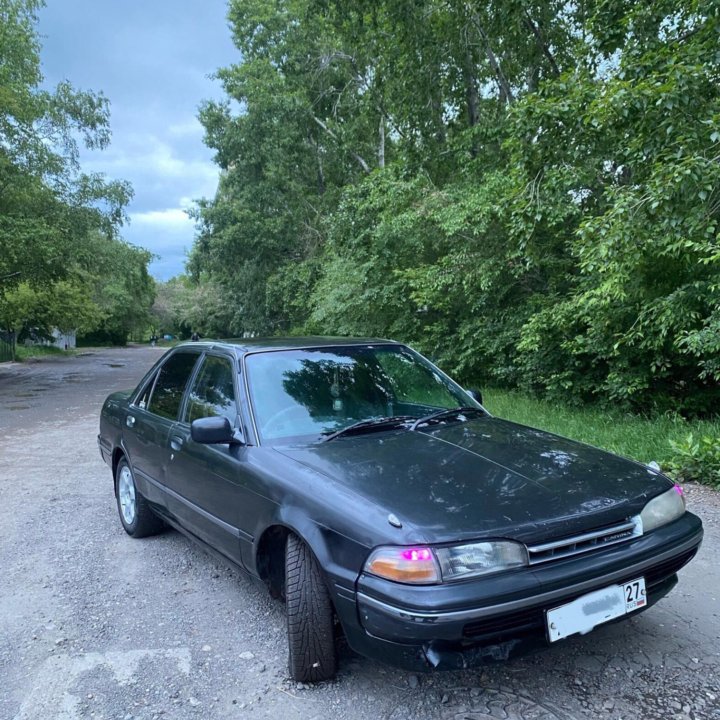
(269, 548)
(118, 454)
(270, 558)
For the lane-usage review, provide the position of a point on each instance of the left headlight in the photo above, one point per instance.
(663, 509)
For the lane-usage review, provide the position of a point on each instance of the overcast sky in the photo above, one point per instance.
(151, 59)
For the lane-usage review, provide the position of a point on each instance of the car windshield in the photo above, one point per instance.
(320, 391)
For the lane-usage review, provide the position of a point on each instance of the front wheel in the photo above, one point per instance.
(309, 615)
(136, 517)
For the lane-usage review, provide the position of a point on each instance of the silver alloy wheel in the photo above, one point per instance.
(126, 495)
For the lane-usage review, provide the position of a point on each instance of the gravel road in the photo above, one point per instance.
(94, 624)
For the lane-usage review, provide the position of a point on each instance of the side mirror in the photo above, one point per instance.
(476, 395)
(212, 431)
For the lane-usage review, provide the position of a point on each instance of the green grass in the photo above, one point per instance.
(26, 352)
(643, 439)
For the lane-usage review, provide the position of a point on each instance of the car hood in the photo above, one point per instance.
(484, 478)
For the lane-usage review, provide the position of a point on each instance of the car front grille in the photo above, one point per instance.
(517, 624)
(586, 542)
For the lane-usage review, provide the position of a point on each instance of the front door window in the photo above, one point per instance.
(171, 384)
(212, 393)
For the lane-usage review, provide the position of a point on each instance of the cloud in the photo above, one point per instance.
(153, 62)
(186, 129)
(167, 233)
(173, 218)
(145, 157)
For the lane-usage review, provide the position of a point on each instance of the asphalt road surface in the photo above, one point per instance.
(94, 624)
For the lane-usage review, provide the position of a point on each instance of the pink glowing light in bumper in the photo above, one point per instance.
(679, 490)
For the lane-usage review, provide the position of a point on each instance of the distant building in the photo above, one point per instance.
(64, 341)
(60, 340)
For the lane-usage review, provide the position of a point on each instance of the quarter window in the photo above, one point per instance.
(171, 384)
(212, 394)
(143, 399)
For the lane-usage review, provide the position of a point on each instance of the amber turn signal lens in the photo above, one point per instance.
(416, 565)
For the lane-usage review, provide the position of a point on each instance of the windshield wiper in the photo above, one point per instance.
(370, 424)
(448, 413)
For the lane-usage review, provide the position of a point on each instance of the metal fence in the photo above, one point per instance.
(7, 346)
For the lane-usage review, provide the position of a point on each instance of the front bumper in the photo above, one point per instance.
(473, 622)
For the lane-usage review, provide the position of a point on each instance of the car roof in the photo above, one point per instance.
(260, 344)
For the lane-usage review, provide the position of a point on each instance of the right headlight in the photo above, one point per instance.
(428, 566)
(463, 561)
(663, 509)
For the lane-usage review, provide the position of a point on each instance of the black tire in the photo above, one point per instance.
(142, 521)
(311, 641)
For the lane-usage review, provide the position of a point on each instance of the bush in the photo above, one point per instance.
(27, 352)
(696, 459)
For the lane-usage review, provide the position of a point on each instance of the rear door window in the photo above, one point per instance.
(171, 383)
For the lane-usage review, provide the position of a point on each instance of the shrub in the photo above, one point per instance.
(696, 458)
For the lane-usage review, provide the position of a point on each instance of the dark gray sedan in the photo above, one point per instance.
(381, 501)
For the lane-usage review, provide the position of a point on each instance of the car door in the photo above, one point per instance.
(149, 420)
(207, 481)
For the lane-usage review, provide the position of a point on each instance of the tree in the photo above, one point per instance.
(122, 289)
(47, 204)
(528, 191)
(36, 312)
(182, 306)
(62, 263)
(106, 304)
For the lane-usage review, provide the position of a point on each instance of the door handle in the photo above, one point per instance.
(176, 442)
(130, 421)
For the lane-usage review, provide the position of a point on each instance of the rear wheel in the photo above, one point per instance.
(311, 639)
(135, 514)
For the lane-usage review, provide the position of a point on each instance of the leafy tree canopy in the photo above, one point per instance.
(60, 253)
(527, 190)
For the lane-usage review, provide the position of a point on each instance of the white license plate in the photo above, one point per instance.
(595, 608)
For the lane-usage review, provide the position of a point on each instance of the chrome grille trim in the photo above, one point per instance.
(586, 542)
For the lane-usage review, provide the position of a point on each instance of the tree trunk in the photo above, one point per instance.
(506, 93)
(533, 78)
(437, 115)
(320, 172)
(359, 159)
(471, 91)
(539, 38)
(381, 144)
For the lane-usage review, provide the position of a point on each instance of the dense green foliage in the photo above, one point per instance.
(32, 352)
(62, 263)
(528, 191)
(182, 306)
(697, 458)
